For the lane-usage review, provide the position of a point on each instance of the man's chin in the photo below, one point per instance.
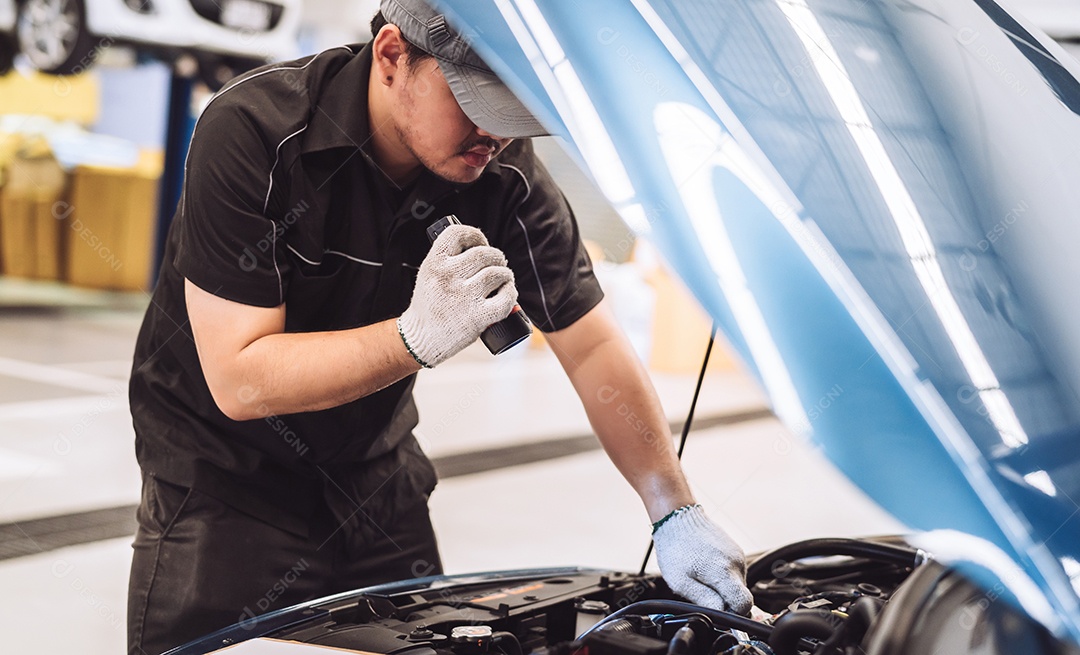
(460, 174)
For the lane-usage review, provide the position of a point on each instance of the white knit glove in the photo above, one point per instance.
(701, 563)
(450, 306)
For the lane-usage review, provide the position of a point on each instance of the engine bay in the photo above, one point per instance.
(819, 597)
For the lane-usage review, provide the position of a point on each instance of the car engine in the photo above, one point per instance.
(818, 597)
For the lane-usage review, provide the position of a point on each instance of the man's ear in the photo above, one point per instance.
(388, 53)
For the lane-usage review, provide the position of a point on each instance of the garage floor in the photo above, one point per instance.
(523, 483)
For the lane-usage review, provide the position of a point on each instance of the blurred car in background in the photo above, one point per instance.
(63, 37)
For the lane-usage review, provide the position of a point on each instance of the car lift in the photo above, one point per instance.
(178, 130)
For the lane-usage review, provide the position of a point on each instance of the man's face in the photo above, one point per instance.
(431, 125)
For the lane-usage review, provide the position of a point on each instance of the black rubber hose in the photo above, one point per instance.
(619, 625)
(862, 612)
(793, 626)
(761, 568)
(682, 642)
(718, 617)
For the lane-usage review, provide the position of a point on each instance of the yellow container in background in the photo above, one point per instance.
(73, 98)
(31, 216)
(681, 330)
(113, 215)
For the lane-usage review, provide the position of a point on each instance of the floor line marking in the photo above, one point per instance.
(53, 407)
(57, 376)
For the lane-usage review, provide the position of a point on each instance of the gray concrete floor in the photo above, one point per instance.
(66, 446)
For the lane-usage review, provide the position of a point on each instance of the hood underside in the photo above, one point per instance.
(875, 201)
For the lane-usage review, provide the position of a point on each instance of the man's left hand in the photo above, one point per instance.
(702, 563)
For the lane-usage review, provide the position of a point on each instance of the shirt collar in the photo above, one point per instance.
(339, 116)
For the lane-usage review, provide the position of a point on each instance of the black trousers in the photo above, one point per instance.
(199, 565)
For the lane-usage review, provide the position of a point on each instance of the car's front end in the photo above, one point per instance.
(823, 596)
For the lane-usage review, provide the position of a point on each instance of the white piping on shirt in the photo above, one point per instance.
(273, 253)
(273, 227)
(277, 158)
(528, 244)
(333, 252)
(355, 259)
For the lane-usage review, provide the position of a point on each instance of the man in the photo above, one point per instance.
(271, 390)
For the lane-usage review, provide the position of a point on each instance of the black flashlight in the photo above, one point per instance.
(507, 333)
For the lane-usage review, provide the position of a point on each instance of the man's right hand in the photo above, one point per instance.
(450, 304)
(701, 563)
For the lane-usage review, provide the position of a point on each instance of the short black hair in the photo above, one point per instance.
(413, 52)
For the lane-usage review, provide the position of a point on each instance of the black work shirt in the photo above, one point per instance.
(282, 204)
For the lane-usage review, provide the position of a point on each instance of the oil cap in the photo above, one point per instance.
(589, 613)
(471, 638)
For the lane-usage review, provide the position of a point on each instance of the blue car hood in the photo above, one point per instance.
(877, 201)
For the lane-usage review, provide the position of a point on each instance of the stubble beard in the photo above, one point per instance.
(442, 168)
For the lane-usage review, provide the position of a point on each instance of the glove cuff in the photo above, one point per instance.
(404, 339)
(687, 517)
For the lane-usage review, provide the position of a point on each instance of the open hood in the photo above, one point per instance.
(877, 201)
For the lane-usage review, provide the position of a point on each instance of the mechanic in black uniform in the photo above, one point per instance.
(299, 295)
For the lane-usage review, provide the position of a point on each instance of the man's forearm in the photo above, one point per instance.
(630, 423)
(698, 559)
(254, 368)
(624, 410)
(300, 372)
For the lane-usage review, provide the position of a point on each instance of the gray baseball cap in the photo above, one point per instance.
(480, 93)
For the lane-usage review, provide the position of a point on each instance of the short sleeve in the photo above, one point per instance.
(554, 275)
(227, 246)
